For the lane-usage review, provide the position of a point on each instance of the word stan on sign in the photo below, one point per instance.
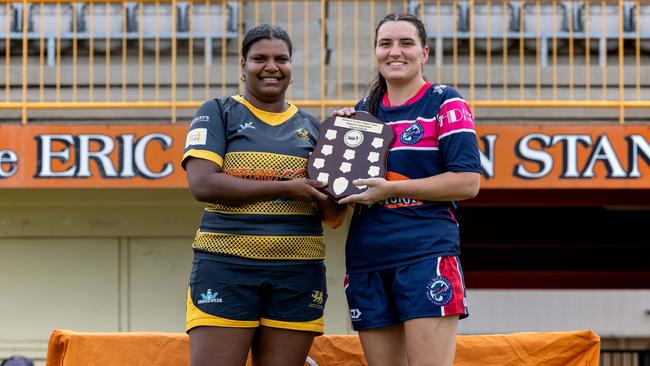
(534, 149)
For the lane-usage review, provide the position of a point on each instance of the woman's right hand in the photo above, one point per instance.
(208, 183)
(343, 112)
(302, 189)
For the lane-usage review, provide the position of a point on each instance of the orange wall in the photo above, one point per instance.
(561, 156)
(589, 156)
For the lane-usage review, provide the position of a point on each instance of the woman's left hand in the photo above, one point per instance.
(378, 190)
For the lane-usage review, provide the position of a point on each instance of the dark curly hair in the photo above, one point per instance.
(378, 86)
(264, 31)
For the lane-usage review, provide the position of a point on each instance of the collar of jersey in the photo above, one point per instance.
(413, 99)
(270, 118)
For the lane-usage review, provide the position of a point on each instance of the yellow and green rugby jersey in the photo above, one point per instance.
(250, 143)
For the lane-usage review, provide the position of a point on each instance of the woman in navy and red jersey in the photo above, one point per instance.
(404, 281)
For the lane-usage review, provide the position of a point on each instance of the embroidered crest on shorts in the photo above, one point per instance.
(316, 299)
(439, 290)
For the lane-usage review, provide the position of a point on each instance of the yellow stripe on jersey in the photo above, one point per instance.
(267, 208)
(264, 166)
(261, 247)
(196, 318)
(203, 154)
(317, 325)
(270, 118)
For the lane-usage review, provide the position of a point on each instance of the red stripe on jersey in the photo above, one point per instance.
(386, 101)
(448, 268)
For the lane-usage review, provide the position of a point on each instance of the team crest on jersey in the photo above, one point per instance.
(245, 126)
(302, 134)
(439, 88)
(412, 134)
(439, 290)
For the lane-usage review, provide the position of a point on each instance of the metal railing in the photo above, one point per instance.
(170, 55)
(624, 357)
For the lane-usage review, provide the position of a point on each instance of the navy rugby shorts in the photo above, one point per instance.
(430, 288)
(246, 293)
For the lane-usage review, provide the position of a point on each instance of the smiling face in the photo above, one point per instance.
(267, 70)
(400, 53)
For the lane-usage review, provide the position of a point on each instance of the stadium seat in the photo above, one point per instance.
(156, 21)
(593, 19)
(102, 18)
(489, 23)
(441, 27)
(642, 25)
(210, 22)
(7, 23)
(53, 21)
(546, 16)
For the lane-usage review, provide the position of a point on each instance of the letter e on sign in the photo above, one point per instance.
(8, 163)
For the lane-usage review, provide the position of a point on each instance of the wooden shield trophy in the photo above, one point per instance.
(350, 148)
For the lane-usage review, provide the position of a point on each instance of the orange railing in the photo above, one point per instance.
(170, 55)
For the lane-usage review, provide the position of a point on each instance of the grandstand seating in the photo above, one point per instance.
(114, 21)
(516, 63)
(52, 21)
(7, 19)
(503, 20)
(642, 22)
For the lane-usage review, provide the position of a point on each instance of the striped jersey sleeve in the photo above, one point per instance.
(206, 134)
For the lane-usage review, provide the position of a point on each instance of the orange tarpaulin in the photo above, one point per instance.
(68, 348)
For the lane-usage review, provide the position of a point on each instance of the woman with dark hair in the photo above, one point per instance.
(258, 278)
(404, 281)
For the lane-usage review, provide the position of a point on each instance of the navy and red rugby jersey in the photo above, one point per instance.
(434, 133)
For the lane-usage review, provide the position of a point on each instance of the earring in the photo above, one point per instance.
(291, 81)
(242, 77)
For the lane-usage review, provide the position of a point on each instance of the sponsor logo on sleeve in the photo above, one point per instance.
(455, 115)
(198, 136)
(198, 119)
